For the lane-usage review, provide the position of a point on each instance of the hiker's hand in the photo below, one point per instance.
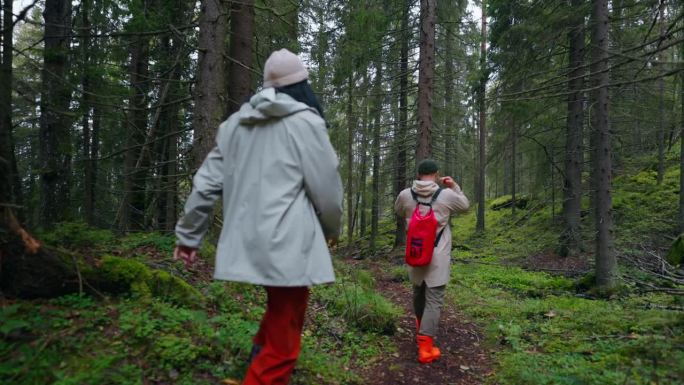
(449, 182)
(186, 254)
(332, 242)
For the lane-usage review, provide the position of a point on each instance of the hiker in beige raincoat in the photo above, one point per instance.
(276, 171)
(429, 282)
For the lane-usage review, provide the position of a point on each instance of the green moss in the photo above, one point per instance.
(559, 338)
(141, 281)
(170, 287)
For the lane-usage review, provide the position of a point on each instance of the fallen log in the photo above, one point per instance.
(30, 270)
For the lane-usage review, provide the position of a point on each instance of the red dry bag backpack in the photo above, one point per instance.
(421, 236)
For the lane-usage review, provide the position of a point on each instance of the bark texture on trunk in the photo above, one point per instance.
(402, 125)
(571, 240)
(361, 197)
(240, 62)
(351, 122)
(135, 172)
(514, 151)
(375, 203)
(7, 161)
(661, 98)
(606, 265)
(426, 76)
(210, 90)
(55, 133)
(480, 225)
(86, 108)
(449, 132)
(681, 148)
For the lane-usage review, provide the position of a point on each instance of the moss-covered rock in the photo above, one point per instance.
(127, 275)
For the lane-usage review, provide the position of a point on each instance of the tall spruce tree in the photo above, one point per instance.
(55, 125)
(606, 265)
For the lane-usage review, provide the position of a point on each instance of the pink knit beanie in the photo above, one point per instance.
(283, 68)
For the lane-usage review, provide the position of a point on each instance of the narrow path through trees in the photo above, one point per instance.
(465, 359)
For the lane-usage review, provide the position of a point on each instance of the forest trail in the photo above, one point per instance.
(464, 361)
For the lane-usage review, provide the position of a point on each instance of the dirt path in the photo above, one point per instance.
(464, 358)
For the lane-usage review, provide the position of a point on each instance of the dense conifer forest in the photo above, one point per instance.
(561, 120)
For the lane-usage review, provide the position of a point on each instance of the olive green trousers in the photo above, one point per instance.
(427, 306)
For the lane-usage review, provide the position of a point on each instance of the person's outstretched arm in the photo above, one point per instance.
(319, 165)
(207, 186)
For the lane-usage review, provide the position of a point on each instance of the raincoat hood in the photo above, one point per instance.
(424, 188)
(268, 104)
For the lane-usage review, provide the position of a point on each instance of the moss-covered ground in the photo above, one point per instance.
(545, 329)
(175, 326)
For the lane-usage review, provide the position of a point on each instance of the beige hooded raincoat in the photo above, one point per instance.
(448, 202)
(276, 170)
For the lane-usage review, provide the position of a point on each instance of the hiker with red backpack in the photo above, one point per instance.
(276, 171)
(427, 208)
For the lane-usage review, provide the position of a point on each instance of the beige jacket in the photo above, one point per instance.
(448, 202)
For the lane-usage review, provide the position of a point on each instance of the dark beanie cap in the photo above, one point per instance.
(427, 167)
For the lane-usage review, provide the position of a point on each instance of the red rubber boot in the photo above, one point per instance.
(427, 352)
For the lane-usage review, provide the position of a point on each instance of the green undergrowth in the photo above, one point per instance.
(644, 215)
(542, 328)
(148, 335)
(527, 232)
(542, 333)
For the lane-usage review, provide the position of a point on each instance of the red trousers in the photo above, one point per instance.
(279, 336)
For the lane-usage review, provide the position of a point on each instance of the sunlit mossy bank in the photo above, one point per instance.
(544, 329)
(146, 335)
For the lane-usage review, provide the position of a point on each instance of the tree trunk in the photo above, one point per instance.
(168, 139)
(480, 225)
(426, 75)
(94, 154)
(661, 98)
(402, 125)
(55, 133)
(210, 90)
(240, 62)
(86, 107)
(605, 258)
(7, 162)
(375, 205)
(681, 148)
(571, 240)
(507, 170)
(10, 190)
(350, 159)
(514, 151)
(447, 125)
(135, 173)
(361, 201)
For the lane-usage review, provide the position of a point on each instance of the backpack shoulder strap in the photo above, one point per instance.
(432, 200)
(435, 195)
